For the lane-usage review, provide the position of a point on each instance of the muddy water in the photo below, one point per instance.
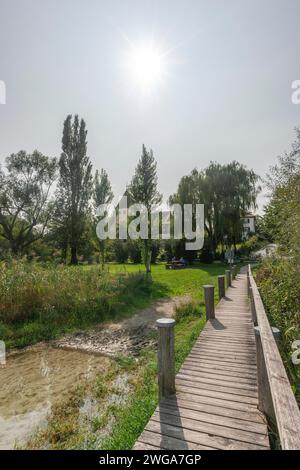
(32, 381)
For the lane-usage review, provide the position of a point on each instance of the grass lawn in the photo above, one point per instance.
(178, 281)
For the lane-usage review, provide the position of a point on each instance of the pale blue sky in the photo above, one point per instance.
(226, 93)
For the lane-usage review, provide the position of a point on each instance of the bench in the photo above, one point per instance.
(175, 265)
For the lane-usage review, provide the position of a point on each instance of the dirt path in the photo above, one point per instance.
(125, 337)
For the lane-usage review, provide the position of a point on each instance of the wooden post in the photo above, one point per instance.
(221, 286)
(248, 281)
(235, 271)
(209, 301)
(265, 402)
(264, 393)
(228, 278)
(232, 273)
(252, 304)
(166, 357)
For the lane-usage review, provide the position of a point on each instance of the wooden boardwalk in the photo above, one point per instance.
(215, 406)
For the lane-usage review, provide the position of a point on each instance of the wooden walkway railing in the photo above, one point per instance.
(276, 398)
(216, 401)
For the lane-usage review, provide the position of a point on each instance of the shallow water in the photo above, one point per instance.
(32, 381)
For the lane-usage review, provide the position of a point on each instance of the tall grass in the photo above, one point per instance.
(38, 302)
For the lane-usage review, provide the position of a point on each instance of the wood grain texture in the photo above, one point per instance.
(216, 400)
(273, 373)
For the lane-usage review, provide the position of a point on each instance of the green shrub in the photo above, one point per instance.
(190, 309)
(279, 284)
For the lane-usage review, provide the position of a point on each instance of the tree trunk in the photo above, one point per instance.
(102, 253)
(148, 260)
(74, 259)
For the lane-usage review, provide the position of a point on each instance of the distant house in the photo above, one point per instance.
(248, 224)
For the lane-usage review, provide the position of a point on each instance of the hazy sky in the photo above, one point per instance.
(224, 93)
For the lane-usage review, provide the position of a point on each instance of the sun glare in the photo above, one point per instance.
(146, 66)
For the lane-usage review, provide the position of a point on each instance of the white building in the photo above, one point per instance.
(248, 224)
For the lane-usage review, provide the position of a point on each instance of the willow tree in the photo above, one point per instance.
(227, 192)
(143, 190)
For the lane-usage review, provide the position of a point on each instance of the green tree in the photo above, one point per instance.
(143, 190)
(281, 219)
(25, 208)
(74, 187)
(102, 195)
(227, 192)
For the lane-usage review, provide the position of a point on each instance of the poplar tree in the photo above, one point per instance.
(102, 195)
(74, 186)
(143, 190)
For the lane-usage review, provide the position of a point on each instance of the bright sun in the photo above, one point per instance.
(146, 65)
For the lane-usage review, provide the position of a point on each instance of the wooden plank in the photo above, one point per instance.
(216, 401)
(212, 380)
(211, 392)
(211, 385)
(212, 362)
(224, 351)
(252, 415)
(218, 373)
(224, 360)
(142, 446)
(199, 438)
(164, 416)
(169, 442)
(213, 417)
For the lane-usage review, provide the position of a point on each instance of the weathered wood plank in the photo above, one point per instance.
(213, 417)
(219, 373)
(210, 391)
(251, 414)
(216, 401)
(221, 430)
(199, 438)
(168, 442)
(212, 380)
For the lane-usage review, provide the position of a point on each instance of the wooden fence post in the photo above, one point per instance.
(248, 282)
(264, 392)
(166, 357)
(221, 286)
(265, 402)
(235, 271)
(228, 278)
(209, 301)
(252, 304)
